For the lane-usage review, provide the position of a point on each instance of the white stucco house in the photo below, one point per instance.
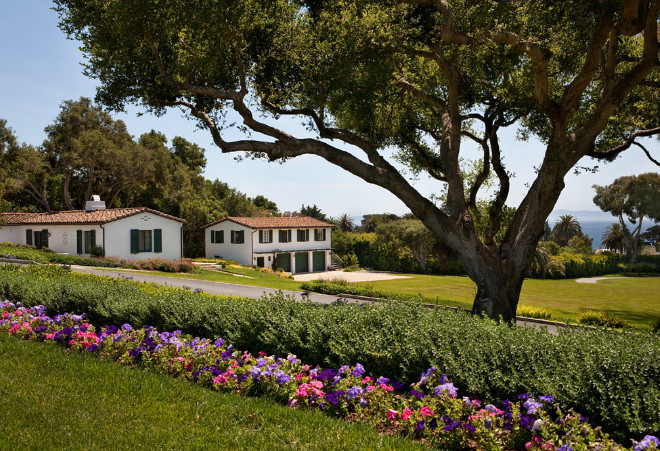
(129, 233)
(295, 244)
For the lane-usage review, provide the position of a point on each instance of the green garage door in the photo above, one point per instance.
(319, 261)
(302, 265)
(284, 262)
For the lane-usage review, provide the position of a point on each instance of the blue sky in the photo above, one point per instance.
(41, 68)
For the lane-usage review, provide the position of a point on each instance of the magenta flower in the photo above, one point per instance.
(392, 414)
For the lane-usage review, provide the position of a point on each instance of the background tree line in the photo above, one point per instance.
(87, 152)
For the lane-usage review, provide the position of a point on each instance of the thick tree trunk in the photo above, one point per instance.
(497, 295)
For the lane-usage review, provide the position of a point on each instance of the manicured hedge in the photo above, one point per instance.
(611, 376)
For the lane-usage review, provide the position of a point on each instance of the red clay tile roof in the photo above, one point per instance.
(295, 222)
(79, 216)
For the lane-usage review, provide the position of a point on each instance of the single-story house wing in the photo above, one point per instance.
(295, 244)
(129, 233)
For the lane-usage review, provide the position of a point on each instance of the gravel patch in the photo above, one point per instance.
(351, 276)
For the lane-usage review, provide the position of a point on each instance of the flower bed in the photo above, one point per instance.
(430, 409)
(611, 377)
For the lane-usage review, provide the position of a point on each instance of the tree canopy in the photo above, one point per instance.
(634, 197)
(406, 81)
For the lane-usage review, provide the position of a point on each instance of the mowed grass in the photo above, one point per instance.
(240, 276)
(635, 299)
(51, 400)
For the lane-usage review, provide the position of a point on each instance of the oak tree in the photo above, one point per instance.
(406, 81)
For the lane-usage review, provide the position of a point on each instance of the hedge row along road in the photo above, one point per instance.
(230, 289)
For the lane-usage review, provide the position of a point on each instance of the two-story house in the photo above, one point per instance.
(294, 244)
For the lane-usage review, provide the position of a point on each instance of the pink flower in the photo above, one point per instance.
(406, 413)
(371, 387)
(392, 414)
(386, 387)
(316, 384)
(425, 411)
(528, 445)
(366, 380)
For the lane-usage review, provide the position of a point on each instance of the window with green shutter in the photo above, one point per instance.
(44, 238)
(237, 236)
(285, 236)
(319, 234)
(79, 241)
(28, 236)
(265, 236)
(145, 241)
(303, 235)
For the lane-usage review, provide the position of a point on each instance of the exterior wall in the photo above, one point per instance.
(118, 237)
(62, 239)
(242, 253)
(248, 252)
(12, 234)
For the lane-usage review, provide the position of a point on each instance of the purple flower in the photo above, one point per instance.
(646, 443)
(524, 396)
(358, 371)
(363, 403)
(547, 398)
(398, 385)
(531, 405)
(281, 377)
(490, 408)
(353, 392)
(418, 394)
(336, 380)
(255, 372)
(525, 422)
(564, 448)
(449, 387)
(261, 362)
(420, 426)
(433, 423)
(488, 422)
(127, 327)
(219, 342)
(382, 380)
(92, 348)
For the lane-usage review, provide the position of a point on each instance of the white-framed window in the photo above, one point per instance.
(265, 236)
(303, 235)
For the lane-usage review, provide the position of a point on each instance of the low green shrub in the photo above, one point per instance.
(46, 255)
(339, 286)
(611, 376)
(601, 319)
(529, 311)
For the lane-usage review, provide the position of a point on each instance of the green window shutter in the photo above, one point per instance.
(28, 236)
(323, 234)
(158, 240)
(44, 238)
(92, 238)
(233, 235)
(270, 236)
(79, 241)
(261, 236)
(222, 236)
(240, 236)
(212, 236)
(135, 241)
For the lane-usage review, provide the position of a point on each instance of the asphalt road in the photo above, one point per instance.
(249, 291)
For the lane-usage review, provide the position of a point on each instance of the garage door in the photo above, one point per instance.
(319, 261)
(302, 265)
(284, 262)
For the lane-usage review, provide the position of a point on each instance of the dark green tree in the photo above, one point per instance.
(313, 212)
(411, 236)
(614, 237)
(636, 198)
(418, 77)
(566, 228)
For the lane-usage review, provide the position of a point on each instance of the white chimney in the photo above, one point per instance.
(95, 204)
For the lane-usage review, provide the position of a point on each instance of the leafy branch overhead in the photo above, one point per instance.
(416, 78)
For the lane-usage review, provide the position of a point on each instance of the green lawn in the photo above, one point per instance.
(51, 400)
(635, 299)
